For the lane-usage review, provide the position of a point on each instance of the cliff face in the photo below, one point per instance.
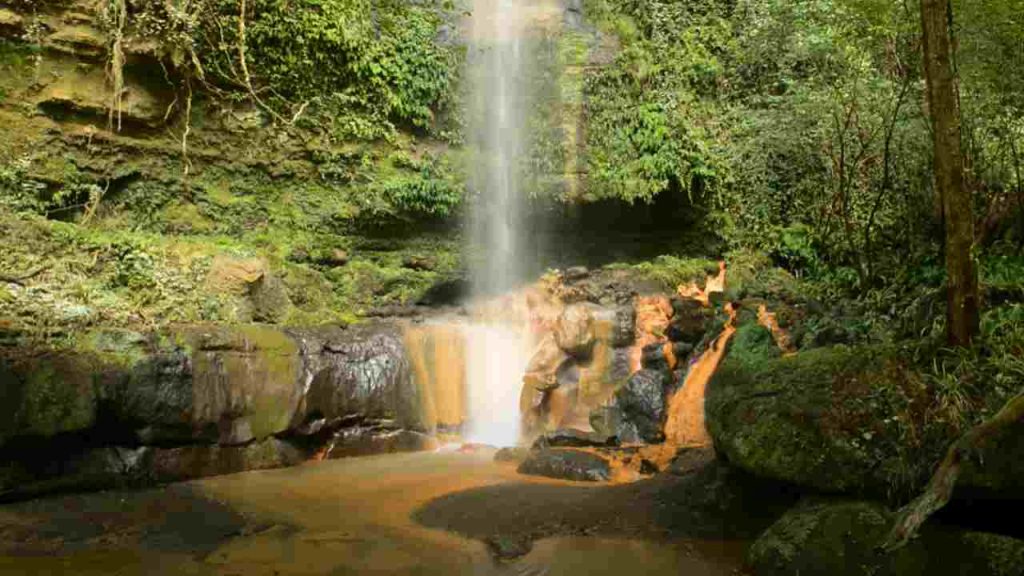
(131, 176)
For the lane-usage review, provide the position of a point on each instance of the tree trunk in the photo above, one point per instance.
(958, 217)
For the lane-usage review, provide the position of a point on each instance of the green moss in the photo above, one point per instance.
(836, 538)
(673, 271)
(839, 419)
(48, 395)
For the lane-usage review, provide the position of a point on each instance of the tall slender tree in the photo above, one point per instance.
(958, 219)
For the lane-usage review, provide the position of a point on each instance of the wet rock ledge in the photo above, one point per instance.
(129, 408)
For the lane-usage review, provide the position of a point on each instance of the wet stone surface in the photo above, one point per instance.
(566, 464)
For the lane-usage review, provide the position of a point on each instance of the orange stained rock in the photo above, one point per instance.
(779, 334)
(711, 284)
(653, 314)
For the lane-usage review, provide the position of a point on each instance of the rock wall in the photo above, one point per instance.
(202, 400)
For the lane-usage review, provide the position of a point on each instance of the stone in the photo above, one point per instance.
(364, 441)
(199, 461)
(269, 298)
(834, 539)
(363, 371)
(843, 538)
(47, 395)
(574, 330)
(653, 357)
(11, 23)
(508, 548)
(642, 403)
(689, 460)
(690, 321)
(335, 258)
(572, 438)
(825, 418)
(541, 372)
(566, 464)
(576, 273)
(514, 454)
(213, 383)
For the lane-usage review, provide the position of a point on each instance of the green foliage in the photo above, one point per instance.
(799, 125)
(649, 125)
(673, 271)
(355, 68)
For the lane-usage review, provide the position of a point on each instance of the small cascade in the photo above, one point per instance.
(437, 354)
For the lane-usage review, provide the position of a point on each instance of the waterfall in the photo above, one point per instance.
(498, 344)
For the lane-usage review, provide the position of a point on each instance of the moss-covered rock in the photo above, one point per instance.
(844, 538)
(838, 419)
(47, 395)
(833, 538)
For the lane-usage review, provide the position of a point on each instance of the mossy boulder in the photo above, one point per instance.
(269, 298)
(47, 395)
(833, 538)
(844, 538)
(835, 419)
(225, 384)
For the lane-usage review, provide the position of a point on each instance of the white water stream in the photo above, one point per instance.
(498, 346)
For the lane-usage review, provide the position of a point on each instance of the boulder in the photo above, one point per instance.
(654, 357)
(642, 404)
(202, 400)
(843, 538)
(826, 418)
(364, 441)
(574, 330)
(566, 464)
(541, 372)
(514, 454)
(269, 298)
(47, 395)
(833, 538)
(210, 384)
(187, 462)
(690, 321)
(572, 438)
(361, 371)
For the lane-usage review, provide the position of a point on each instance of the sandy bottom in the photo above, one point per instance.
(352, 516)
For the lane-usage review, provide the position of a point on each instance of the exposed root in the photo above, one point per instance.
(117, 12)
(186, 163)
(940, 487)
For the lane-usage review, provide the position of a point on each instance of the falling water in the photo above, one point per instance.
(497, 347)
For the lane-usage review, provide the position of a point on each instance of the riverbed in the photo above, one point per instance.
(444, 512)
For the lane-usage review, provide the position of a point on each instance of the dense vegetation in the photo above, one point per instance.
(322, 137)
(800, 131)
